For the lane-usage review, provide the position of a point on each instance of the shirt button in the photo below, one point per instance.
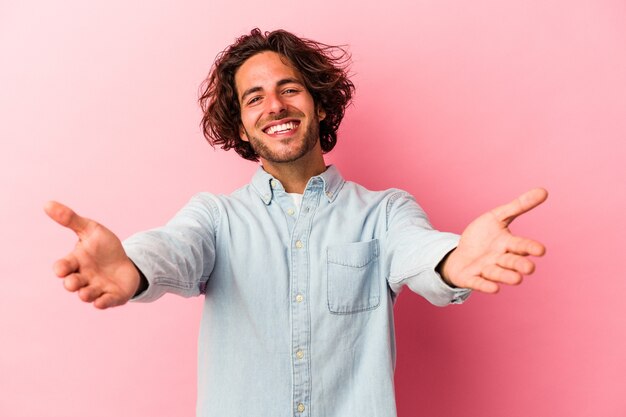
(273, 183)
(300, 408)
(329, 194)
(291, 212)
(299, 298)
(299, 354)
(299, 244)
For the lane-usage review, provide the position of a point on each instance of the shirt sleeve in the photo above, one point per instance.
(178, 257)
(414, 249)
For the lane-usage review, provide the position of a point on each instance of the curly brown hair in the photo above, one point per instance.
(324, 69)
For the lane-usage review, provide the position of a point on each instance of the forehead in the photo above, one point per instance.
(264, 70)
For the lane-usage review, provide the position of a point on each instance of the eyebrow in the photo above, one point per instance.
(282, 82)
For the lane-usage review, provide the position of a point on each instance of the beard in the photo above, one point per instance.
(286, 150)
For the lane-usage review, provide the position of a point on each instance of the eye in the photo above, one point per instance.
(253, 100)
(291, 91)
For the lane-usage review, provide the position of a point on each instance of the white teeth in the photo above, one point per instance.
(281, 128)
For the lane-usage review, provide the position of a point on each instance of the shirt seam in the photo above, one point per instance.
(392, 199)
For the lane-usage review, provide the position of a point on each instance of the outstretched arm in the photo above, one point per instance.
(488, 254)
(98, 268)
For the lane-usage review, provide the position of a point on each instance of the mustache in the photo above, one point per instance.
(283, 114)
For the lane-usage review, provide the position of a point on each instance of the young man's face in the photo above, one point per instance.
(278, 115)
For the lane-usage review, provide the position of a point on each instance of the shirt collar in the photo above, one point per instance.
(264, 184)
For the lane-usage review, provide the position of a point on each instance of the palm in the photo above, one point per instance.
(98, 268)
(489, 254)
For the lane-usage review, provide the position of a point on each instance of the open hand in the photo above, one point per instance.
(489, 254)
(98, 268)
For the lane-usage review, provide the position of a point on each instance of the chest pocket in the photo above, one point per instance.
(352, 273)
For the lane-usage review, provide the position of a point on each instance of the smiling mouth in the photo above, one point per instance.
(282, 128)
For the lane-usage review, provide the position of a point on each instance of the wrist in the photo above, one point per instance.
(443, 268)
(142, 281)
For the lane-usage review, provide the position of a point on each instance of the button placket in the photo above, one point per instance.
(286, 203)
(300, 311)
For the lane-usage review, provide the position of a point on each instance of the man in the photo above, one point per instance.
(300, 268)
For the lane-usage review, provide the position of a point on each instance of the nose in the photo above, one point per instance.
(274, 104)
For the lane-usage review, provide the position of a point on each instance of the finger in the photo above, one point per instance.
(516, 263)
(496, 273)
(523, 246)
(65, 266)
(89, 293)
(107, 300)
(65, 216)
(478, 283)
(506, 213)
(74, 282)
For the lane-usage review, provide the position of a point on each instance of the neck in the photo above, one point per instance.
(295, 175)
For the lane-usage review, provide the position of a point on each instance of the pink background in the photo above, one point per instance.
(463, 103)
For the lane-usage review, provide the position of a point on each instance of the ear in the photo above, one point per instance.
(321, 113)
(242, 133)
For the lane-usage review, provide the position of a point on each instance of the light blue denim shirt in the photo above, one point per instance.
(298, 316)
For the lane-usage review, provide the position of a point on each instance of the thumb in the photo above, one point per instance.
(524, 203)
(65, 216)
